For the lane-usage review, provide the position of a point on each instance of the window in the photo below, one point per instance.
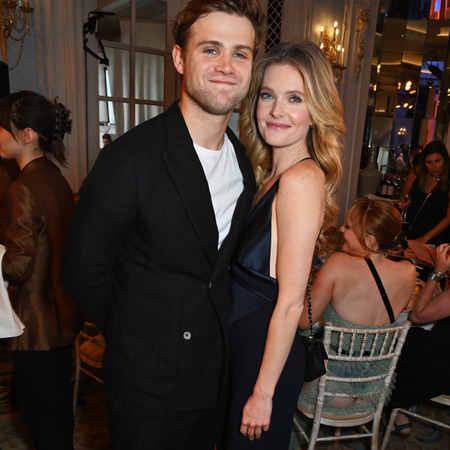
(135, 84)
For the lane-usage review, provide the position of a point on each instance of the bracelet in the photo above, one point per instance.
(436, 276)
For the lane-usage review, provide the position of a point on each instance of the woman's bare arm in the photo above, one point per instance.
(299, 212)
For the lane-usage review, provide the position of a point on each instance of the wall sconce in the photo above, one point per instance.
(333, 52)
(363, 30)
(14, 17)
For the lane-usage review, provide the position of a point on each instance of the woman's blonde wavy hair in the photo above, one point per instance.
(325, 140)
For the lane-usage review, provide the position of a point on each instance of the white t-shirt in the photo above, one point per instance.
(225, 183)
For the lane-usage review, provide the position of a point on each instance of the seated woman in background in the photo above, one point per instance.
(345, 291)
(424, 364)
(428, 214)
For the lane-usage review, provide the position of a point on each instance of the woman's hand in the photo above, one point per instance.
(442, 258)
(256, 416)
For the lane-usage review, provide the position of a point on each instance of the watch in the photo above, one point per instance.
(435, 276)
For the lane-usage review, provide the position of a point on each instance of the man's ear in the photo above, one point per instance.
(178, 59)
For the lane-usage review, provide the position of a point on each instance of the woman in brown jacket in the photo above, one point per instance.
(35, 215)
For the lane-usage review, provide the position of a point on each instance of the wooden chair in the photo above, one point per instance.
(443, 399)
(89, 348)
(373, 345)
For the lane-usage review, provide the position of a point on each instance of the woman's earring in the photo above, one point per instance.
(312, 125)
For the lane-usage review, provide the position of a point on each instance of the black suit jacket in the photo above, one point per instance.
(145, 210)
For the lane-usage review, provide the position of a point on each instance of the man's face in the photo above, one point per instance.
(217, 62)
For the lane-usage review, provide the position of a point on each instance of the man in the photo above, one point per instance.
(106, 139)
(163, 206)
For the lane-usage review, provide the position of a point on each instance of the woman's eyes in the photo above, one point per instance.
(265, 96)
(295, 99)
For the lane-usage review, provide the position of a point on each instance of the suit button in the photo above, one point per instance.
(187, 335)
(210, 284)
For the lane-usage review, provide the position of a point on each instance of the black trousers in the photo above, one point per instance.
(44, 393)
(134, 427)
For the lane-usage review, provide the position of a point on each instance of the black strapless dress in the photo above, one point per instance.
(253, 296)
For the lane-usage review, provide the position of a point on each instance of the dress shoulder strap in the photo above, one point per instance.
(384, 296)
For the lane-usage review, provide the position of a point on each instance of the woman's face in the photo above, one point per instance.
(434, 164)
(282, 115)
(9, 147)
(351, 244)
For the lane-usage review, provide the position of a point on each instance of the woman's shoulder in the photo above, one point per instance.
(403, 266)
(303, 174)
(338, 264)
(342, 257)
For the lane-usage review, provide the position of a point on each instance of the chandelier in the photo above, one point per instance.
(16, 17)
(333, 51)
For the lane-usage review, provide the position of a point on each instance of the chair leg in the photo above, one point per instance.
(389, 427)
(316, 424)
(376, 428)
(77, 375)
(337, 432)
(301, 429)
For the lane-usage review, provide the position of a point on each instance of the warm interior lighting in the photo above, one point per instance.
(14, 18)
(413, 92)
(405, 105)
(329, 45)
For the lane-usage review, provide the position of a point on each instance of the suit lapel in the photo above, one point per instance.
(189, 178)
(245, 200)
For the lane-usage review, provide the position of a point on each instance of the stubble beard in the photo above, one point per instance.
(210, 102)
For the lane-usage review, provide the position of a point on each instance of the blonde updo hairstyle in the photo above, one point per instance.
(378, 218)
(325, 140)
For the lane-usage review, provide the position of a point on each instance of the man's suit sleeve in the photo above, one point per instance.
(104, 216)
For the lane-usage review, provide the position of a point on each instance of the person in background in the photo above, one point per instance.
(424, 364)
(35, 215)
(414, 157)
(148, 250)
(293, 121)
(106, 139)
(346, 292)
(428, 213)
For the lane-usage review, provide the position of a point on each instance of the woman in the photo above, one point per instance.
(371, 228)
(424, 364)
(35, 215)
(293, 127)
(428, 215)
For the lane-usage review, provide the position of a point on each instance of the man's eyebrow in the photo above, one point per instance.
(215, 43)
(243, 47)
(220, 45)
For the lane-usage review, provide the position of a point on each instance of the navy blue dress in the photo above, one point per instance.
(253, 296)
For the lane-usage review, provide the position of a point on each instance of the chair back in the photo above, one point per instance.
(372, 353)
(352, 393)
